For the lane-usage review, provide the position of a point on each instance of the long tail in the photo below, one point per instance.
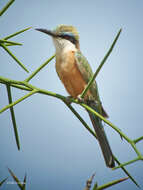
(102, 139)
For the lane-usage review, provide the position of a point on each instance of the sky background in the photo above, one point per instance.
(57, 152)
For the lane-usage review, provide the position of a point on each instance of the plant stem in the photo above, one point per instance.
(101, 65)
(6, 7)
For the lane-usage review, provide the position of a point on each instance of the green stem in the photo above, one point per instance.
(16, 33)
(6, 7)
(1, 182)
(105, 186)
(33, 89)
(20, 87)
(38, 69)
(13, 117)
(26, 84)
(13, 56)
(106, 121)
(138, 139)
(135, 149)
(80, 119)
(126, 172)
(17, 101)
(127, 163)
(9, 42)
(15, 179)
(101, 65)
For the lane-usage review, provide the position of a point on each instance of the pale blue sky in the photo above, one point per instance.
(56, 150)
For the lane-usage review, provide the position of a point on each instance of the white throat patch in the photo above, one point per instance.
(63, 45)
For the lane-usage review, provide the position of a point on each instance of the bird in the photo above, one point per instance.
(75, 72)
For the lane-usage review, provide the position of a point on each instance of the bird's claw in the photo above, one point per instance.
(80, 99)
(68, 99)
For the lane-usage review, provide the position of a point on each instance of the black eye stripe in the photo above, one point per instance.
(68, 37)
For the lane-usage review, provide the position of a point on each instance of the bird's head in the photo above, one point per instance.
(63, 35)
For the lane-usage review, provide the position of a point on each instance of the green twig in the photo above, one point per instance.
(16, 180)
(24, 182)
(126, 172)
(6, 7)
(138, 139)
(13, 117)
(9, 42)
(2, 182)
(17, 101)
(80, 119)
(13, 56)
(105, 120)
(38, 69)
(41, 91)
(105, 186)
(100, 66)
(16, 33)
(126, 163)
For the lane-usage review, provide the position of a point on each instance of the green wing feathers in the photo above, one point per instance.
(95, 103)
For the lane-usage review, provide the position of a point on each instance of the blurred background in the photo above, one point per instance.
(57, 152)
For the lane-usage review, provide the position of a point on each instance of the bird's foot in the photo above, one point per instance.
(80, 99)
(68, 99)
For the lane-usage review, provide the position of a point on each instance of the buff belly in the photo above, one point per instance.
(70, 75)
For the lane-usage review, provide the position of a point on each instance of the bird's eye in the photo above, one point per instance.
(70, 38)
(66, 37)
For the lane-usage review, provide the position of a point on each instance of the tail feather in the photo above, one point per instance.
(102, 139)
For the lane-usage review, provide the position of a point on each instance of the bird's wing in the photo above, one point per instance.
(86, 73)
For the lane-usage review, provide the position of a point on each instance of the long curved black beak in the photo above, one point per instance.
(49, 32)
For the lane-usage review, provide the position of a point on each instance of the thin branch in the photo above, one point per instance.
(38, 69)
(16, 179)
(13, 56)
(9, 42)
(80, 119)
(138, 140)
(126, 163)
(101, 65)
(16, 33)
(13, 117)
(126, 172)
(2, 182)
(6, 7)
(17, 101)
(105, 186)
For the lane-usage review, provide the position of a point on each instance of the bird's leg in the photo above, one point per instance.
(80, 99)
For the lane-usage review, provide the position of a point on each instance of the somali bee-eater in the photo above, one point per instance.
(75, 72)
